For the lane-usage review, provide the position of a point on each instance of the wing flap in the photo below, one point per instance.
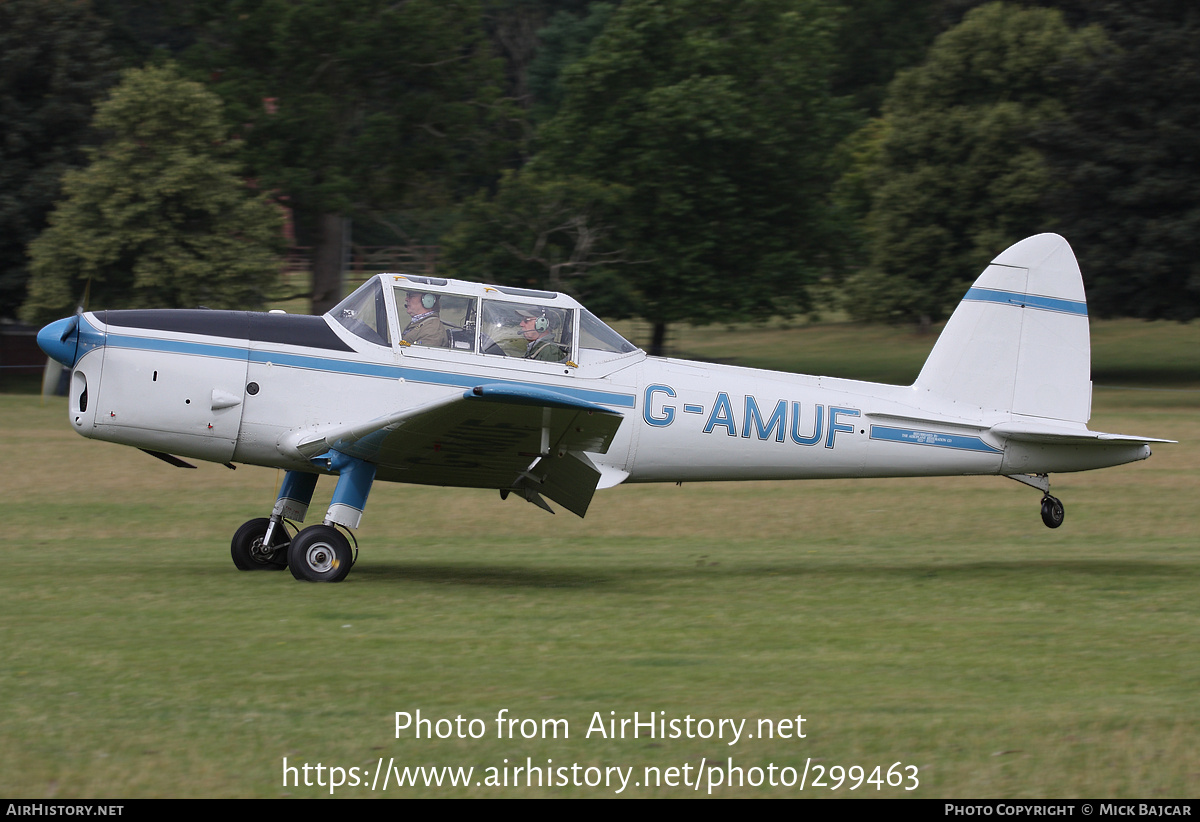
(569, 479)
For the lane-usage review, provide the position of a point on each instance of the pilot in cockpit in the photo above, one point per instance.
(425, 327)
(538, 327)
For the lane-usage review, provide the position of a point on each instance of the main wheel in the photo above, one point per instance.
(248, 551)
(320, 553)
(1052, 511)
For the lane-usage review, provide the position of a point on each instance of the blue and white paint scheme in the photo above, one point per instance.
(443, 382)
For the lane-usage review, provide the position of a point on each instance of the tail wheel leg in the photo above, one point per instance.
(1052, 507)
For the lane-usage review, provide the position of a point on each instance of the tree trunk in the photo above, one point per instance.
(327, 263)
(658, 340)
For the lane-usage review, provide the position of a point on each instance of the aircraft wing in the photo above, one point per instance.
(518, 438)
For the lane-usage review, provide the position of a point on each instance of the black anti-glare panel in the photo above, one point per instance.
(286, 329)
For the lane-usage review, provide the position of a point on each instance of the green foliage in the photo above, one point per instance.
(1127, 160)
(54, 63)
(357, 104)
(719, 121)
(139, 30)
(161, 217)
(876, 39)
(558, 233)
(564, 40)
(953, 178)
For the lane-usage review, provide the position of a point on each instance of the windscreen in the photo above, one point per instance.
(595, 335)
(363, 313)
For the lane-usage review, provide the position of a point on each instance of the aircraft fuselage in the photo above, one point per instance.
(235, 399)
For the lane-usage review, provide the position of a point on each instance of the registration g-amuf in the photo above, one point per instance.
(351, 395)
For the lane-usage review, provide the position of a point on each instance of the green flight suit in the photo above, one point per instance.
(426, 329)
(546, 350)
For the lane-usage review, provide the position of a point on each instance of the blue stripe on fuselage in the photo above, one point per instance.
(224, 352)
(365, 369)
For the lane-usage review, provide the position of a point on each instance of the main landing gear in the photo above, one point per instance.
(319, 553)
(1052, 507)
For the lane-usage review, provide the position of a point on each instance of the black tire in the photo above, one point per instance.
(320, 553)
(247, 551)
(1052, 511)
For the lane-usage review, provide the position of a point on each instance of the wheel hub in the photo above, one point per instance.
(320, 558)
(260, 551)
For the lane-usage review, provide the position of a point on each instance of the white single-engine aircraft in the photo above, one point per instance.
(442, 382)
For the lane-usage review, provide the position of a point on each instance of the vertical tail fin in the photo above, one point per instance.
(1019, 340)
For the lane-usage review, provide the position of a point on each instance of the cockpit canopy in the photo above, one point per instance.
(429, 313)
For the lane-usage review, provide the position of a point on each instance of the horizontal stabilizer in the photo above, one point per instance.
(1066, 435)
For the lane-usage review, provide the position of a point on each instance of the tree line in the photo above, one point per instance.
(674, 160)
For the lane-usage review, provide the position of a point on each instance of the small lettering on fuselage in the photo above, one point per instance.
(782, 422)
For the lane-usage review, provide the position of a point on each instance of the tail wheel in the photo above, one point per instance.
(1052, 511)
(320, 553)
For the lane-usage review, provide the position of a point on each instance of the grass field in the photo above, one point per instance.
(932, 623)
